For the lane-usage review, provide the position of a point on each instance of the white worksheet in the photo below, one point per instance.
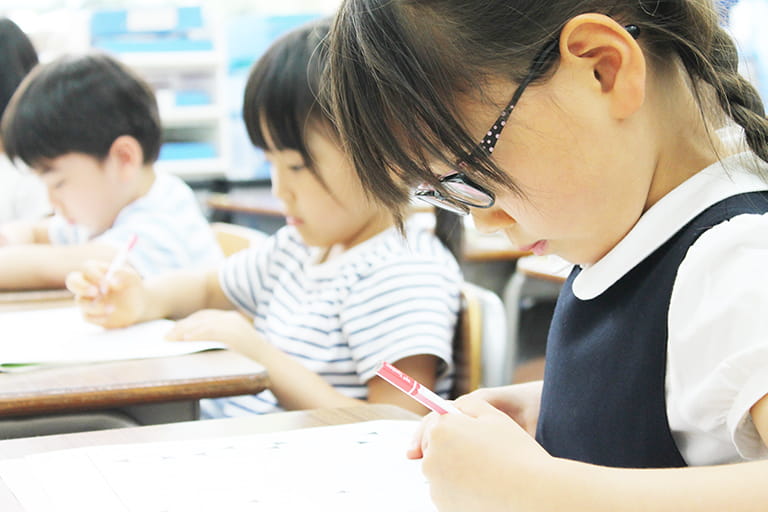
(360, 467)
(61, 336)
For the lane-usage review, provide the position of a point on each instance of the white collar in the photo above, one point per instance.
(724, 179)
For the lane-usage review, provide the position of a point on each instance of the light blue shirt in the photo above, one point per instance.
(171, 229)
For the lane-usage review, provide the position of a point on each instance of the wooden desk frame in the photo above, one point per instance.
(110, 385)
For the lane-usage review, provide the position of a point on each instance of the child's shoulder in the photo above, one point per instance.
(416, 246)
(168, 194)
(169, 183)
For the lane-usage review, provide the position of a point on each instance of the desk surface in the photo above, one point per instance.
(113, 384)
(107, 385)
(34, 299)
(192, 430)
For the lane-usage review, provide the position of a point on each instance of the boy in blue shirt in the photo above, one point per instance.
(89, 128)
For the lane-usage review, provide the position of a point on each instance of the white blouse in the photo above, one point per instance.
(717, 366)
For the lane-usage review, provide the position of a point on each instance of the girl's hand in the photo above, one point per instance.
(520, 402)
(480, 460)
(117, 303)
(228, 327)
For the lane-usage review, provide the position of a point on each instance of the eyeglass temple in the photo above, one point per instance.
(544, 58)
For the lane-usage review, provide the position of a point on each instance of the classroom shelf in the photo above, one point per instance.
(180, 53)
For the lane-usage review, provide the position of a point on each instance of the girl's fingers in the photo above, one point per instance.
(420, 439)
(184, 330)
(176, 333)
(474, 406)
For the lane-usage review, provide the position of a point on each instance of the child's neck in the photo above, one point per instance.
(142, 185)
(687, 142)
(368, 231)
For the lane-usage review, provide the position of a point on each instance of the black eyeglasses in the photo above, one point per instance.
(465, 193)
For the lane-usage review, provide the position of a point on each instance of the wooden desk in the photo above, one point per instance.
(109, 385)
(119, 384)
(34, 299)
(192, 430)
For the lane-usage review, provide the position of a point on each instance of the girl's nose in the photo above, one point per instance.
(491, 220)
(53, 200)
(279, 185)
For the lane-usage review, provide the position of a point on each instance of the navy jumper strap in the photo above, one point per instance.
(603, 400)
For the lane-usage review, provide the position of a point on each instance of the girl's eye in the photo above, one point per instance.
(297, 168)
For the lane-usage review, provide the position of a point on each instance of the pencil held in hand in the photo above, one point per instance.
(119, 261)
(409, 386)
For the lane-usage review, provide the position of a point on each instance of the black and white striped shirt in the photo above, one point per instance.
(383, 300)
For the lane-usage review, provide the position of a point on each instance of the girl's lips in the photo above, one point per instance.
(293, 221)
(538, 248)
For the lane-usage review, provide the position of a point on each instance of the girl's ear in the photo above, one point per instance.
(126, 153)
(609, 58)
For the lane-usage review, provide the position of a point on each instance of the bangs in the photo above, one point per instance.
(272, 113)
(394, 102)
(280, 102)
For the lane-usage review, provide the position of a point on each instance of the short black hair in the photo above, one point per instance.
(80, 104)
(282, 90)
(17, 57)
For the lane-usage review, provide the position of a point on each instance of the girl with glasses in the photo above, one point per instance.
(329, 296)
(619, 136)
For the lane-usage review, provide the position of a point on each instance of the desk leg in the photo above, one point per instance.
(32, 426)
(168, 412)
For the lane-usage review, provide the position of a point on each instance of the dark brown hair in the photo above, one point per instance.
(17, 57)
(281, 92)
(282, 96)
(80, 103)
(397, 66)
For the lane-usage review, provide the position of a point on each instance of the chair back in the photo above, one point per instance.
(234, 237)
(480, 349)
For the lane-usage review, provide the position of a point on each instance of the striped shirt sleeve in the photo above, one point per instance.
(404, 307)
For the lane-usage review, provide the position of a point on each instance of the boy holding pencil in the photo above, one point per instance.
(89, 129)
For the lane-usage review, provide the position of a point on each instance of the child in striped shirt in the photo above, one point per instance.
(329, 296)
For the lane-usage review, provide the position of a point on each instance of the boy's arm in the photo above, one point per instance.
(25, 232)
(32, 266)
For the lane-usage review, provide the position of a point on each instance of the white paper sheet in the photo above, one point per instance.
(62, 336)
(346, 468)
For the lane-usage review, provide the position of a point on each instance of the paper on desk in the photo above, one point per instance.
(344, 468)
(61, 336)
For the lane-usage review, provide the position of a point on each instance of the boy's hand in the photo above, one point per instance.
(117, 303)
